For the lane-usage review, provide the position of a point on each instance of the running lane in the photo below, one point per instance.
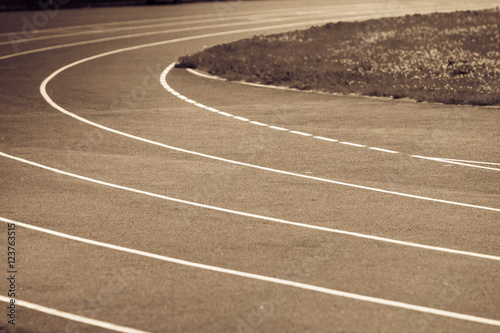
(170, 203)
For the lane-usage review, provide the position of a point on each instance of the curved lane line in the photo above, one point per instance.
(255, 216)
(465, 161)
(248, 20)
(43, 91)
(333, 292)
(103, 24)
(197, 16)
(328, 139)
(360, 297)
(151, 33)
(421, 10)
(163, 80)
(214, 77)
(444, 160)
(384, 150)
(67, 315)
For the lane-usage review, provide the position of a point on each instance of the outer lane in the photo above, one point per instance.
(122, 159)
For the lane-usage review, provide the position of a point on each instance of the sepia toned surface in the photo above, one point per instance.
(266, 196)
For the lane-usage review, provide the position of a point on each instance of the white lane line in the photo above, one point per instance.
(445, 160)
(201, 105)
(104, 30)
(161, 43)
(196, 18)
(163, 80)
(207, 76)
(467, 164)
(100, 29)
(291, 25)
(222, 33)
(241, 118)
(105, 24)
(62, 314)
(259, 217)
(352, 144)
(258, 123)
(384, 150)
(465, 161)
(279, 128)
(214, 77)
(45, 95)
(333, 292)
(325, 139)
(457, 163)
(301, 133)
(170, 89)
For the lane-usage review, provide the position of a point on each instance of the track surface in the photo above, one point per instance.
(194, 224)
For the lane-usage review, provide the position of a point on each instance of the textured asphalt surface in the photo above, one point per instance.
(122, 91)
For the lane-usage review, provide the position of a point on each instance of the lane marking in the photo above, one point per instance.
(352, 144)
(197, 16)
(291, 11)
(465, 161)
(467, 164)
(359, 17)
(43, 91)
(225, 114)
(207, 76)
(222, 33)
(279, 128)
(384, 150)
(62, 314)
(105, 24)
(301, 133)
(214, 77)
(457, 163)
(241, 118)
(325, 139)
(299, 285)
(258, 123)
(164, 83)
(253, 84)
(103, 30)
(256, 216)
(190, 38)
(106, 39)
(445, 160)
(171, 90)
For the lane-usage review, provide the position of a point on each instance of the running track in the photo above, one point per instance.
(150, 199)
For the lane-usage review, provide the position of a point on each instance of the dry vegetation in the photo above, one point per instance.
(452, 58)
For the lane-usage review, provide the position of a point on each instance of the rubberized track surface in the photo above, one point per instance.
(161, 201)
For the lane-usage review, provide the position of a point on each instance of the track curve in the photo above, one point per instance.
(122, 91)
